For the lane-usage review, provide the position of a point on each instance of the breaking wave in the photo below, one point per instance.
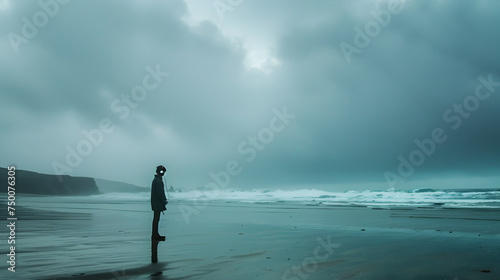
(456, 198)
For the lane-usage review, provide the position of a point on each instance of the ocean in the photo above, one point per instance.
(449, 198)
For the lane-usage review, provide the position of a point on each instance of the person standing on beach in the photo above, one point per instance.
(158, 201)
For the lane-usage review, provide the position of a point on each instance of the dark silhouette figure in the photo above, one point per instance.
(158, 201)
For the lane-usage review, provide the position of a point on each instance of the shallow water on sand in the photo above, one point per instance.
(88, 238)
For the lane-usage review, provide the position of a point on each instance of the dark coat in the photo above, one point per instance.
(158, 199)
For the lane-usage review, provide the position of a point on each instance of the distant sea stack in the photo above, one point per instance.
(36, 183)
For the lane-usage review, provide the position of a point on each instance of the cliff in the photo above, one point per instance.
(36, 183)
(107, 186)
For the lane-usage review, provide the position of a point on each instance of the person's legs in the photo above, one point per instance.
(156, 220)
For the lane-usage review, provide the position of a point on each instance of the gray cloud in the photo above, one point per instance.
(353, 119)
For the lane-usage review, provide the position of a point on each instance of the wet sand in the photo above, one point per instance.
(82, 238)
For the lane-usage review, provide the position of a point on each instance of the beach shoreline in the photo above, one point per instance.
(61, 238)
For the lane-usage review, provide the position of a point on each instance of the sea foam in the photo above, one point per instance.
(457, 198)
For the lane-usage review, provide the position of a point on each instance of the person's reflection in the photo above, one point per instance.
(154, 250)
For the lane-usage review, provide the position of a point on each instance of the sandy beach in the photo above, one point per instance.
(93, 238)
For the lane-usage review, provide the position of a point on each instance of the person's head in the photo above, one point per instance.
(160, 170)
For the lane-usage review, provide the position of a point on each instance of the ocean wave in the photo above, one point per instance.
(466, 198)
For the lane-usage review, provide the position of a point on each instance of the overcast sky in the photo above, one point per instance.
(330, 94)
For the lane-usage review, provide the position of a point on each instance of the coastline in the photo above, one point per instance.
(230, 240)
